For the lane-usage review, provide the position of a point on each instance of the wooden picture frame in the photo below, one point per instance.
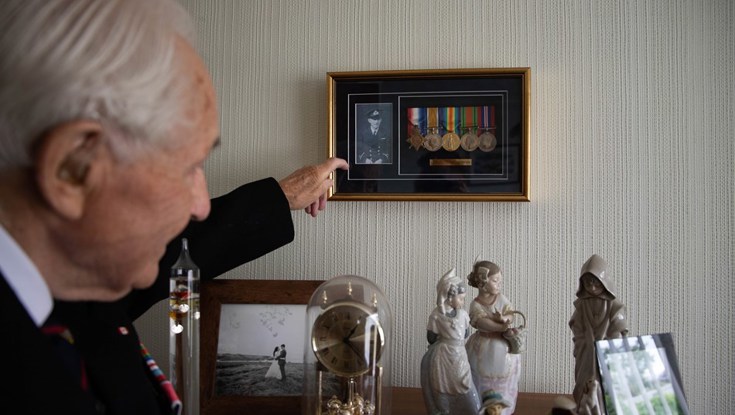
(438, 135)
(215, 295)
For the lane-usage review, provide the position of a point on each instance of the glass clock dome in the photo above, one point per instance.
(347, 358)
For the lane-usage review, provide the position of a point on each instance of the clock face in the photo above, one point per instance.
(347, 338)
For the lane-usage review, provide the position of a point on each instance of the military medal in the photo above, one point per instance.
(469, 140)
(487, 138)
(432, 140)
(450, 141)
(416, 122)
(487, 141)
(416, 140)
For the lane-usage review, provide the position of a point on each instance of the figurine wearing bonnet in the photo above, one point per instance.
(493, 366)
(446, 379)
(598, 315)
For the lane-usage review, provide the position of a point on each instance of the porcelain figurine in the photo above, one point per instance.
(493, 367)
(598, 315)
(493, 403)
(446, 379)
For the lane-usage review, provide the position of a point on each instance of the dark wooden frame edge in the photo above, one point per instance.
(217, 292)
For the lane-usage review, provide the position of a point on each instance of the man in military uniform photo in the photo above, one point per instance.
(374, 141)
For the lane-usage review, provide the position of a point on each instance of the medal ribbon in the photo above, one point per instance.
(432, 117)
(448, 118)
(163, 383)
(452, 118)
(469, 117)
(416, 117)
(484, 116)
(487, 117)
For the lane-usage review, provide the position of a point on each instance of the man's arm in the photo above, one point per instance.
(243, 225)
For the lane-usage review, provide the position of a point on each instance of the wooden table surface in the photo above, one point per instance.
(410, 401)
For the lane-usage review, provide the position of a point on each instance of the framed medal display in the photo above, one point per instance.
(430, 134)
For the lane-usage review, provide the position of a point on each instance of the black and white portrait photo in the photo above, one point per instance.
(374, 133)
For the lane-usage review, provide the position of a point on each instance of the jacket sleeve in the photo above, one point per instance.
(243, 225)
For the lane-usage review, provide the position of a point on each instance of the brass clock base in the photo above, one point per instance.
(355, 404)
(358, 406)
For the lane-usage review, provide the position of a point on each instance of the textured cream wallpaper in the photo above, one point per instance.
(632, 158)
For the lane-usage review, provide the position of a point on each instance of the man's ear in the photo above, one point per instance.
(65, 159)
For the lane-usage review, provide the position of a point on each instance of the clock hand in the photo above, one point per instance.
(328, 343)
(346, 338)
(350, 341)
(360, 337)
(357, 351)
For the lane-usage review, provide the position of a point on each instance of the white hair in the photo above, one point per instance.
(111, 61)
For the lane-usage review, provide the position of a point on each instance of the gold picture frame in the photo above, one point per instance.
(431, 135)
(265, 297)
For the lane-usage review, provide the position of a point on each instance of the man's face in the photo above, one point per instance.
(374, 124)
(143, 205)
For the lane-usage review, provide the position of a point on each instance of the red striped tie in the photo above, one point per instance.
(62, 342)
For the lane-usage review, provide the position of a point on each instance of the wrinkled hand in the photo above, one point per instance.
(307, 187)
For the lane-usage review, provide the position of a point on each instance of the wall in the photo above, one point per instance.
(632, 158)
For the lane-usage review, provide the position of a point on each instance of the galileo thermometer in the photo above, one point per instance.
(184, 330)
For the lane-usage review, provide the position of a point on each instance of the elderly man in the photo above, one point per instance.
(107, 115)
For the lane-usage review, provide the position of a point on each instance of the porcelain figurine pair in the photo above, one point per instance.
(455, 373)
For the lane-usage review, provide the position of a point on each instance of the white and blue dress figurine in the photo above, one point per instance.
(493, 367)
(446, 379)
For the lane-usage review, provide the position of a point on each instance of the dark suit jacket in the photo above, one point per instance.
(243, 225)
(34, 380)
(282, 357)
